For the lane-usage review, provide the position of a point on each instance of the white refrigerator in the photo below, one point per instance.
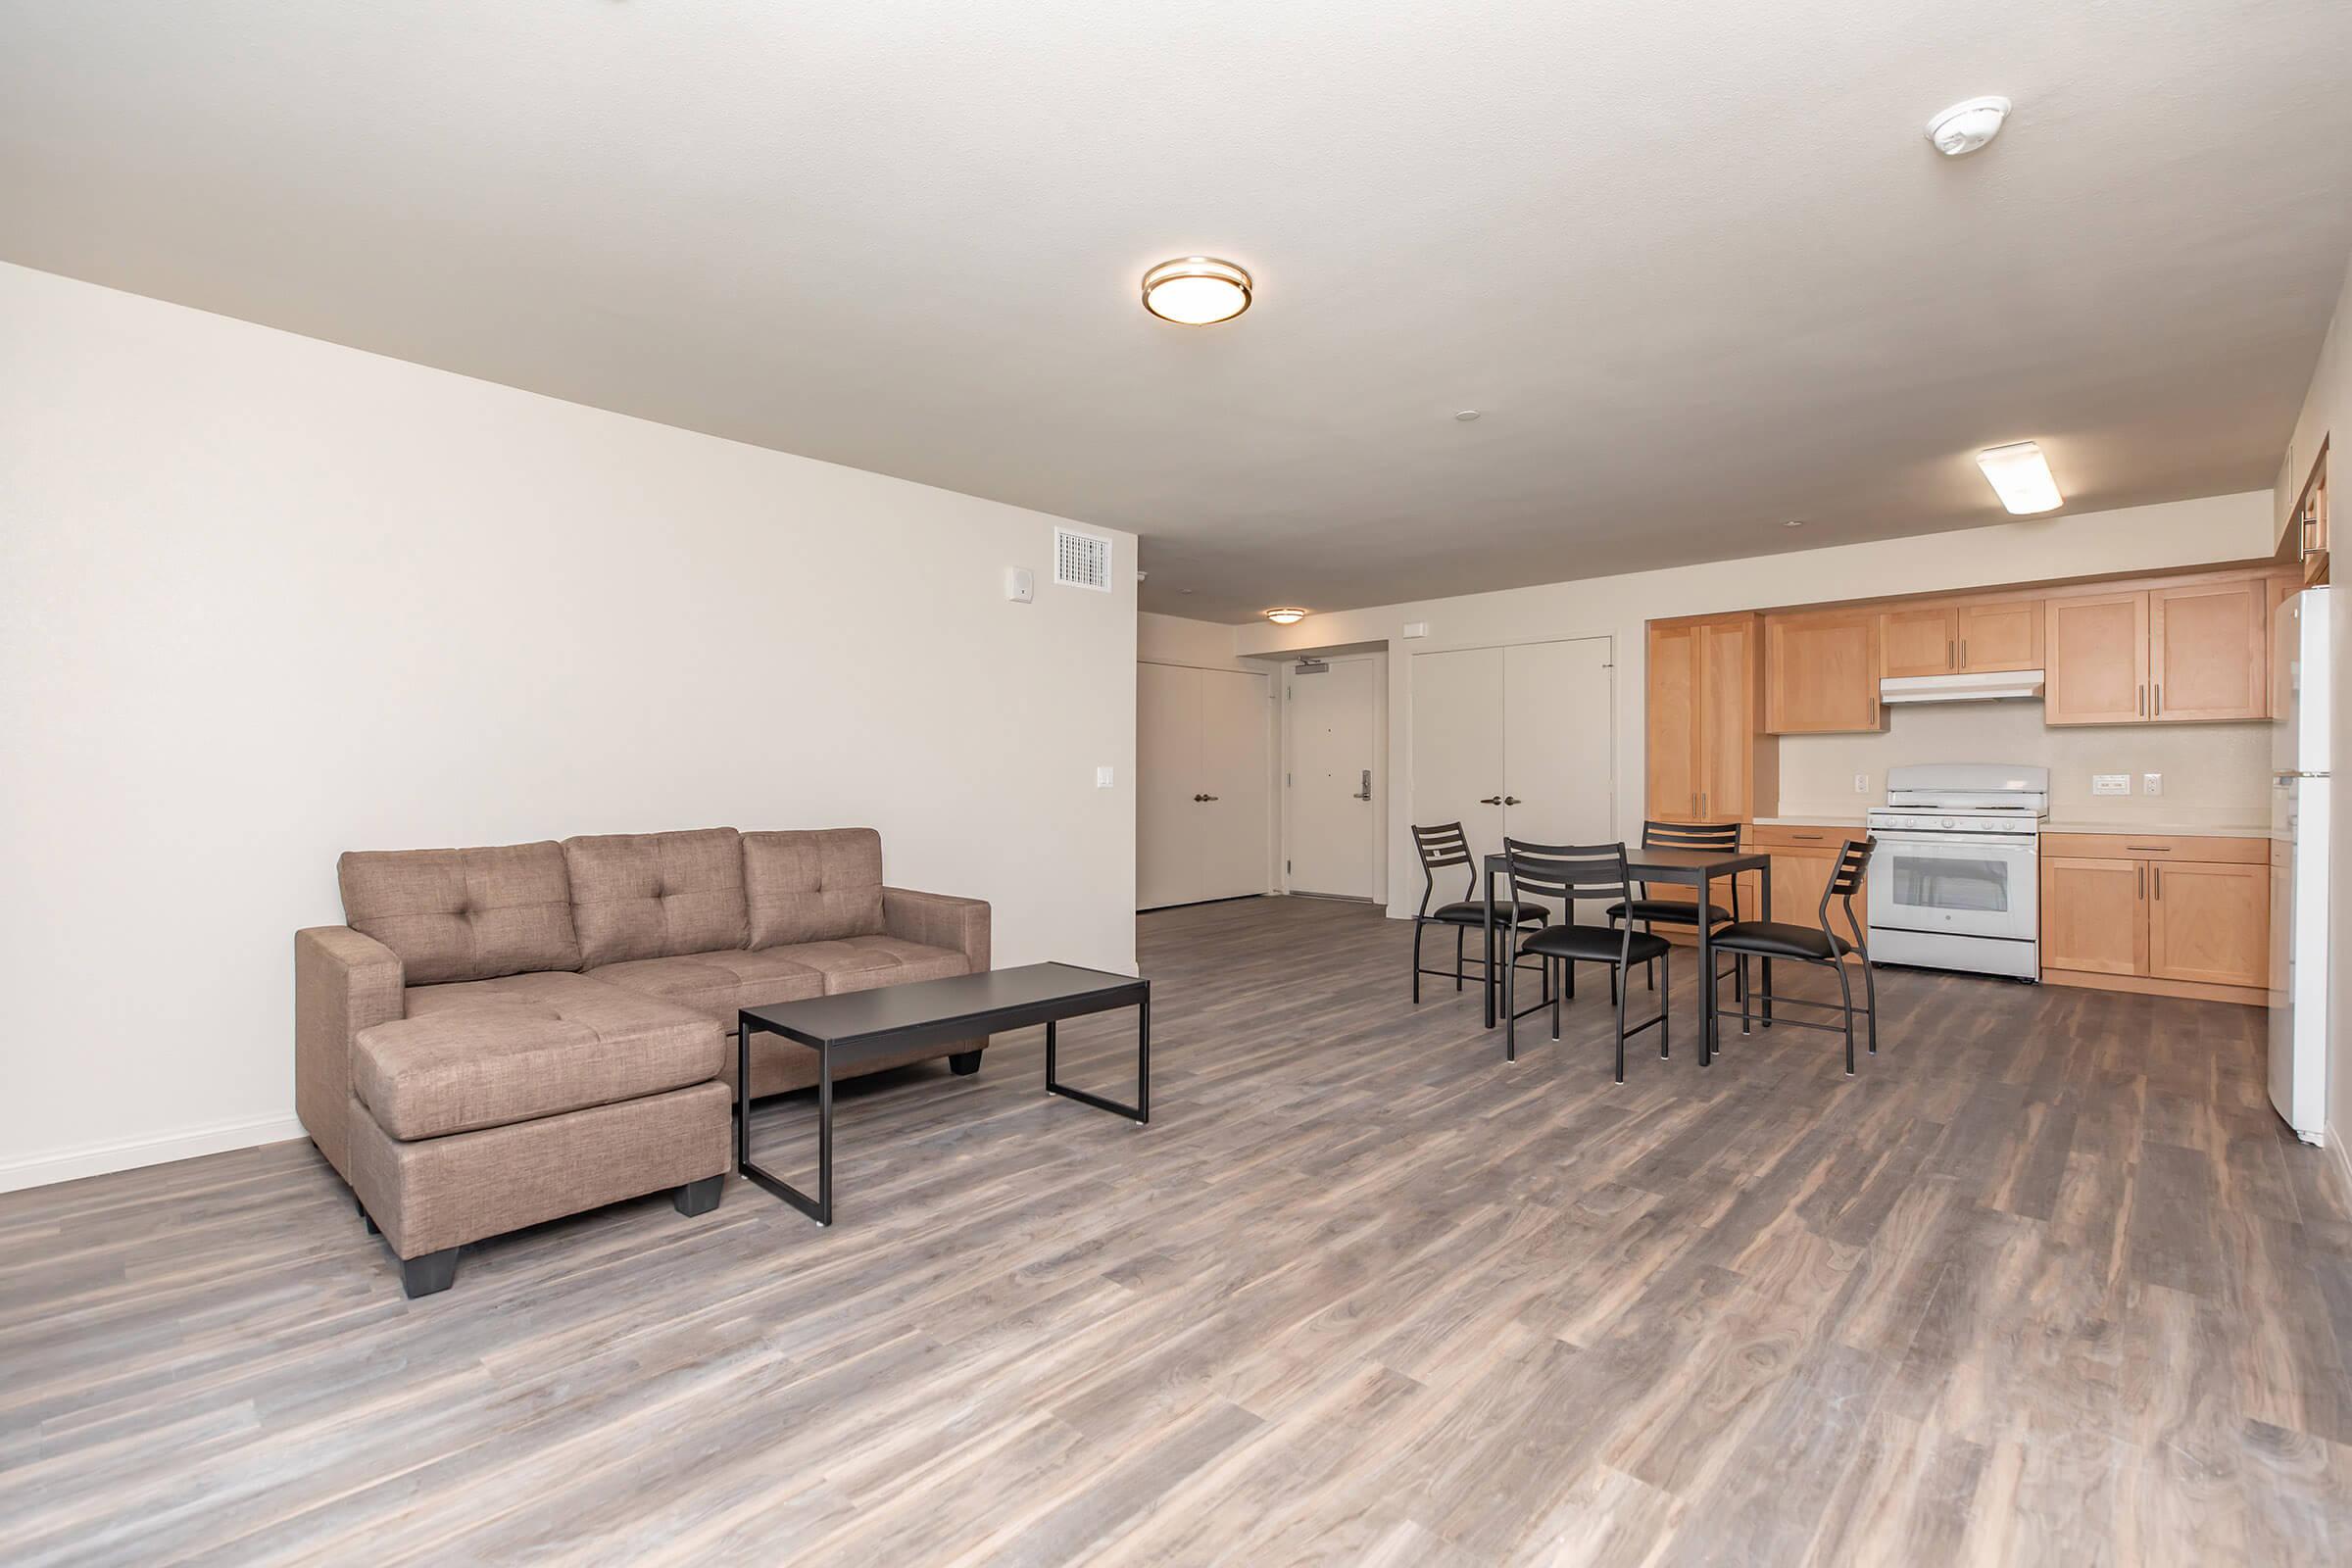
(2305, 656)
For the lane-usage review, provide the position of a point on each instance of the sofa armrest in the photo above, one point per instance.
(938, 921)
(344, 982)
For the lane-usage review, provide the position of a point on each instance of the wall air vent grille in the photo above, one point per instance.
(1081, 559)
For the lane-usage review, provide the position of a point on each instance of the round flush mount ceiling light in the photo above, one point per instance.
(1196, 291)
(1286, 615)
(1467, 415)
(1966, 127)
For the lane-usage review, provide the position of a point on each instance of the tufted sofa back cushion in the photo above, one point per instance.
(464, 914)
(818, 886)
(657, 895)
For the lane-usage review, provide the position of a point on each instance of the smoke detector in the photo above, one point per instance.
(1966, 127)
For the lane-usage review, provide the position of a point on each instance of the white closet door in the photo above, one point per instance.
(1456, 751)
(1558, 749)
(1235, 766)
(1167, 775)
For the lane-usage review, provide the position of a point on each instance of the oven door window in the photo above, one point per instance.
(1956, 884)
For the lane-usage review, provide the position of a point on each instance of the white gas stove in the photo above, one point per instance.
(1956, 880)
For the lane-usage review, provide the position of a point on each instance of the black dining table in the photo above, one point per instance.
(1678, 867)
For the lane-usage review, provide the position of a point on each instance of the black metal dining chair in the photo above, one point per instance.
(1650, 912)
(1446, 845)
(1574, 874)
(1813, 944)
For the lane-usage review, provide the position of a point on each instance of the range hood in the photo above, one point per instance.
(1992, 686)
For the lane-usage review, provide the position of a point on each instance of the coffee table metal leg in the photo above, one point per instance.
(1141, 1111)
(821, 1207)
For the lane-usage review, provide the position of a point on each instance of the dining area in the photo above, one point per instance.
(1540, 911)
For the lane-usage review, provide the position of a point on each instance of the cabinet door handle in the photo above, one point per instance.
(2139, 704)
(1702, 802)
(2139, 887)
(1963, 653)
(2160, 884)
(1951, 653)
(2151, 848)
(2160, 697)
(1808, 837)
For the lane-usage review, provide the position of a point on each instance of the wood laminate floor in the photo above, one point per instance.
(2046, 1283)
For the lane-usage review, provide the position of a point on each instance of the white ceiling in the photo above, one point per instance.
(1695, 261)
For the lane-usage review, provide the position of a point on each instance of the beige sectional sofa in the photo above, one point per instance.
(502, 1036)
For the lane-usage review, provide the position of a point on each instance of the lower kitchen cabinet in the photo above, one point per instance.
(2170, 916)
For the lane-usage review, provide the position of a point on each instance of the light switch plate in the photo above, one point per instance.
(1102, 778)
(1019, 585)
(1416, 628)
(2151, 783)
(1861, 783)
(2110, 783)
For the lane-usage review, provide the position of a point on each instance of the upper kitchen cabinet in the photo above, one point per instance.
(2098, 659)
(2209, 651)
(1968, 635)
(1821, 672)
(2181, 653)
(1708, 760)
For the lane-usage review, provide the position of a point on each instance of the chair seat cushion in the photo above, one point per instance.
(1778, 939)
(1505, 913)
(718, 984)
(1595, 943)
(487, 1054)
(1667, 912)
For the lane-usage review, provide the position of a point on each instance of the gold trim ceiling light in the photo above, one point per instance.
(1286, 615)
(1196, 291)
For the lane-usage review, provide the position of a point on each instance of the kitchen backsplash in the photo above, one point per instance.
(2213, 774)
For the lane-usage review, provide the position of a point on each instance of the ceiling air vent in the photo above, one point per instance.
(1081, 559)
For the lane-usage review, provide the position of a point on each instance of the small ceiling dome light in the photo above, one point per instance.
(1286, 615)
(1966, 127)
(1467, 415)
(1794, 522)
(2020, 477)
(1196, 291)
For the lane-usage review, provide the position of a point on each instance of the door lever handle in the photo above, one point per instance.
(1365, 792)
(1490, 800)
(1511, 799)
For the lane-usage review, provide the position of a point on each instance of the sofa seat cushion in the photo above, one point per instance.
(813, 886)
(464, 914)
(718, 984)
(655, 894)
(490, 1052)
(860, 963)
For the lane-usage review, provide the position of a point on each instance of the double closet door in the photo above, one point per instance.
(1203, 803)
(1515, 741)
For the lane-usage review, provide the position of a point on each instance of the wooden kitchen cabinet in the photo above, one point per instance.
(1708, 758)
(2097, 652)
(1821, 673)
(2209, 923)
(2002, 635)
(2209, 651)
(2093, 916)
(1965, 636)
(2155, 914)
(2182, 654)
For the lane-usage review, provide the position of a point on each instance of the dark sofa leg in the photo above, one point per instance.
(434, 1271)
(365, 1218)
(965, 1063)
(699, 1197)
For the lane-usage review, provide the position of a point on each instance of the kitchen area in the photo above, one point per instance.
(2114, 784)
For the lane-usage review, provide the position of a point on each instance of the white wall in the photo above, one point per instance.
(268, 598)
(2182, 533)
(2214, 776)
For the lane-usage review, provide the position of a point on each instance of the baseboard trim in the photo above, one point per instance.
(129, 1154)
(2144, 986)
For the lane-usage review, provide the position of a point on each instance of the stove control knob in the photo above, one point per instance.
(1947, 822)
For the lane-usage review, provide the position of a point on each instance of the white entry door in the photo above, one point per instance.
(1202, 768)
(1332, 817)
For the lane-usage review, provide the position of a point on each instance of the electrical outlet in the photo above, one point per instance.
(2151, 783)
(1861, 783)
(1102, 778)
(2110, 783)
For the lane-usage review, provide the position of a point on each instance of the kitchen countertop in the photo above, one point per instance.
(2158, 827)
(1808, 821)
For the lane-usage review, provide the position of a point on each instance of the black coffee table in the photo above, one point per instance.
(860, 1025)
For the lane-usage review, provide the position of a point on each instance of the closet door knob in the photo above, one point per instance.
(1490, 800)
(1511, 799)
